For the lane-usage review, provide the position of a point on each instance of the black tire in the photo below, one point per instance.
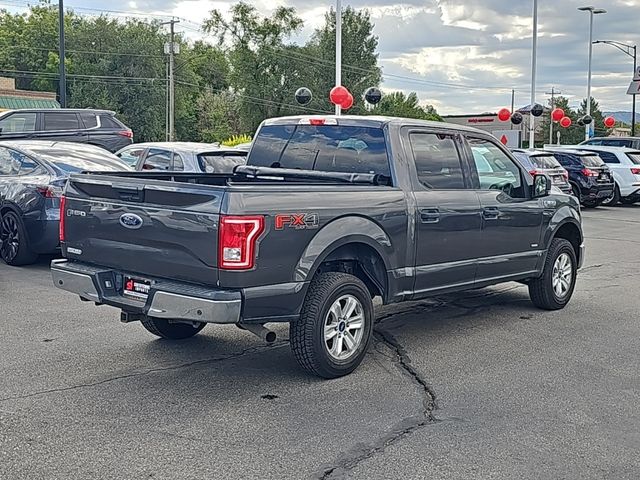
(307, 335)
(14, 245)
(541, 290)
(171, 331)
(576, 192)
(628, 201)
(614, 199)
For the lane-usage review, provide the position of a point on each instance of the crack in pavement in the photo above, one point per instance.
(401, 430)
(149, 371)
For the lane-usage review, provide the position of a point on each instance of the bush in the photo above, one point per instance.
(237, 140)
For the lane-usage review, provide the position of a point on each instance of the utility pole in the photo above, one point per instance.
(338, 49)
(553, 105)
(61, 55)
(513, 104)
(171, 49)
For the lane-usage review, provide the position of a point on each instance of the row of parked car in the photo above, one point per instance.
(39, 149)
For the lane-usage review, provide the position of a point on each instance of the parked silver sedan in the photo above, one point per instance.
(182, 157)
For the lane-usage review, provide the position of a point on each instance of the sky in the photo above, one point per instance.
(463, 56)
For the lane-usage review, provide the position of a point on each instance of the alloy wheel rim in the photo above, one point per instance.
(9, 238)
(344, 327)
(562, 275)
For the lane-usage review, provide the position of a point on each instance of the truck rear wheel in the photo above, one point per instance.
(334, 331)
(553, 290)
(169, 330)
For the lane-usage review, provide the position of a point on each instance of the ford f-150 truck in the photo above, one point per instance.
(328, 213)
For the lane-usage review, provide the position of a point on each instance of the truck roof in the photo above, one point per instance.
(373, 121)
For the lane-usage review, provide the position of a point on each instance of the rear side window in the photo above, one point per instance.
(157, 159)
(89, 119)
(524, 159)
(9, 165)
(220, 162)
(634, 157)
(18, 122)
(327, 148)
(618, 142)
(564, 160)
(107, 121)
(592, 161)
(609, 157)
(178, 164)
(131, 156)
(545, 161)
(437, 161)
(27, 165)
(60, 121)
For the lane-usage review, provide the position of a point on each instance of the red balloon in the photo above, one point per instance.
(338, 95)
(504, 114)
(557, 114)
(609, 122)
(565, 122)
(348, 103)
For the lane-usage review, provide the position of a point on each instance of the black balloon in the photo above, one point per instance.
(581, 122)
(516, 118)
(587, 120)
(537, 110)
(373, 95)
(303, 96)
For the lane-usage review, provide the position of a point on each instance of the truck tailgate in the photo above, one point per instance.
(150, 227)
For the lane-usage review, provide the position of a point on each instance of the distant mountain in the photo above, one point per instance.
(622, 116)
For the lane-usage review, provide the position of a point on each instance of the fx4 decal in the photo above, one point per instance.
(298, 221)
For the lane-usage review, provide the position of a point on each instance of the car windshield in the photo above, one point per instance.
(634, 157)
(545, 161)
(326, 148)
(592, 161)
(72, 159)
(221, 162)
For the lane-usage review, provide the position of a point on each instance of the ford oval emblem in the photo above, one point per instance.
(130, 220)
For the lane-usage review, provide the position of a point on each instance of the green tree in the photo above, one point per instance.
(218, 116)
(360, 68)
(397, 104)
(598, 117)
(568, 136)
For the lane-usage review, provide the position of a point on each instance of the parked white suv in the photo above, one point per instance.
(625, 165)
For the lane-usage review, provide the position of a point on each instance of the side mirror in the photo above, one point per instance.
(541, 186)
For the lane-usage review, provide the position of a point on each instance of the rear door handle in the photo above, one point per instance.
(429, 215)
(490, 213)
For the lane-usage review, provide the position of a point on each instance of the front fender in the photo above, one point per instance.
(342, 231)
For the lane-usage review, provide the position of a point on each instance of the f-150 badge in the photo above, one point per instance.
(298, 221)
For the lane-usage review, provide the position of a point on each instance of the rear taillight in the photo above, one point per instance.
(49, 191)
(126, 133)
(587, 172)
(536, 172)
(63, 202)
(565, 174)
(635, 171)
(237, 238)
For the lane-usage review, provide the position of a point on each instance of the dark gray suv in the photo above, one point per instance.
(96, 127)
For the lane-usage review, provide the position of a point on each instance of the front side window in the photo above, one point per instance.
(325, 148)
(438, 162)
(17, 123)
(131, 155)
(496, 171)
(61, 121)
(157, 159)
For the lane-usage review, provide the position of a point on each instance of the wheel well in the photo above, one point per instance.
(362, 261)
(570, 232)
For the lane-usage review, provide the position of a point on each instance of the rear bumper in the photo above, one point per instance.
(166, 299)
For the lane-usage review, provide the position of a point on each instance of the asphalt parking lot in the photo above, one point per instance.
(479, 385)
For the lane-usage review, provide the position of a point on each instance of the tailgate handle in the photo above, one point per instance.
(129, 192)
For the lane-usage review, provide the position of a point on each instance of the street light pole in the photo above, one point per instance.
(592, 11)
(61, 55)
(627, 49)
(338, 49)
(534, 60)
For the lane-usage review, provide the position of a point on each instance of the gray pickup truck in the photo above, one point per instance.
(327, 214)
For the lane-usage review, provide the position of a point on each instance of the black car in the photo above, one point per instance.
(590, 178)
(96, 127)
(539, 161)
(629, 142)
(32, 176)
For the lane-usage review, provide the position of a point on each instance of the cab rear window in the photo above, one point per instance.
(326, 148)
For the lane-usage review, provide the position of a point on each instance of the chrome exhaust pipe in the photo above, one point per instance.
(258, 330)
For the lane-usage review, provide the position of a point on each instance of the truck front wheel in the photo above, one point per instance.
(553, 290)
(335, 327)
(171, 330)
